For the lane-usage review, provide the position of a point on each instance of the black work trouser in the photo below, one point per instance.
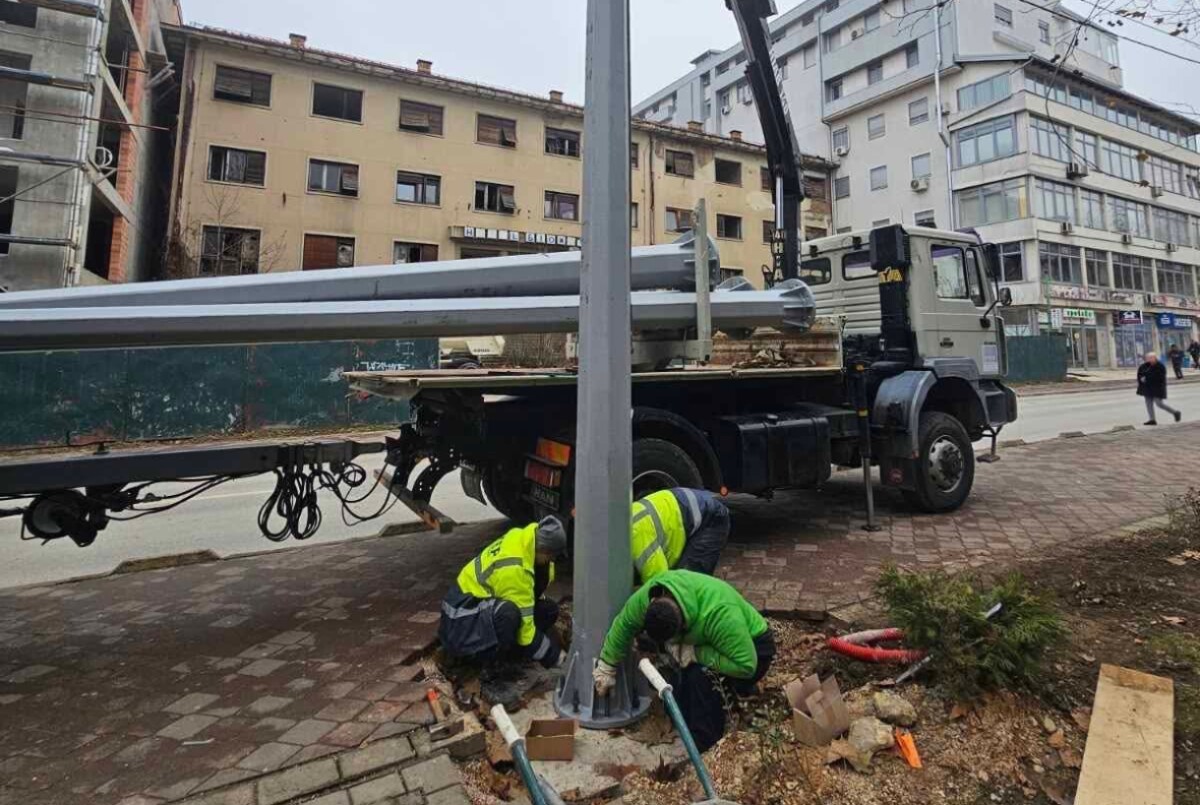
(486, 629)
(708, 539)
(701, 693)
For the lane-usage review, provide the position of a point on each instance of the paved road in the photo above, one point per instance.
(224, 521)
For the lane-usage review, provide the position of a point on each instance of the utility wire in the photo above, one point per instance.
(1125, 37)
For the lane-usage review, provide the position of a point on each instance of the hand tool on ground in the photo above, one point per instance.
(442, 727)
(540, 791)
(668, 698)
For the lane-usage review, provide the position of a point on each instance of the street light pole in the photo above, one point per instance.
(603, 472)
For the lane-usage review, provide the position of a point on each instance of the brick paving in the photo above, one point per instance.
(168, 684)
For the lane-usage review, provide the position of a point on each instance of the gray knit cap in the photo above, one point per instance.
(551, 536)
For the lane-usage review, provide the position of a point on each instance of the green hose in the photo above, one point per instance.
(689, 743)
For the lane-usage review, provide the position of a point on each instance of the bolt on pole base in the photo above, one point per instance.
(626, 703)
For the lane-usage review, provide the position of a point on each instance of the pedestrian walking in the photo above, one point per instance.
(683, 529)
(1175, 356)
(1194, 350)
(1152, 387)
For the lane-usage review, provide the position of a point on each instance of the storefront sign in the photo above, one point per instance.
(1127, 318)
(1056, 318)
(1170, 321)
(1078, 292)
(1168, 300)
(1080, 314)
(513, 236)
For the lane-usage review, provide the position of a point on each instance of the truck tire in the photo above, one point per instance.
(502, 486)
(946, 467)
(659, 464)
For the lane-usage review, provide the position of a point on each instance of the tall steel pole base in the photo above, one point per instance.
(624, 704)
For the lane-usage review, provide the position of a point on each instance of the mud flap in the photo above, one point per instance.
(472, 482)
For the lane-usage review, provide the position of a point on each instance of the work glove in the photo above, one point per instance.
(684, 654)
(604, 677)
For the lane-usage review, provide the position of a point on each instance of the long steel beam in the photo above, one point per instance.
(664, 267)
(39, 330)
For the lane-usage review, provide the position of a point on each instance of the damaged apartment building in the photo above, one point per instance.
(86, 105)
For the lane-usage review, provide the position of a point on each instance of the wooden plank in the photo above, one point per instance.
(1130, 748)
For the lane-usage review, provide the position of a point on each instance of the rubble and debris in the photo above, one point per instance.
(894, 709)
(819, 712)
(869, 735)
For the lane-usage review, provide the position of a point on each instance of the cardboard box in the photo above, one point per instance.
(819, 713)
(551, 739)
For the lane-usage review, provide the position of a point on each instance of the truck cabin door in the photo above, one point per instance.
(960, 300)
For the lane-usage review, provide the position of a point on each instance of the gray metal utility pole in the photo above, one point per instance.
(603, 474)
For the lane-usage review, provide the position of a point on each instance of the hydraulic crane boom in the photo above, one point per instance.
(783, 153)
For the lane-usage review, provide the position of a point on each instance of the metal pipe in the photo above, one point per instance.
(669, 266)
(37, 330)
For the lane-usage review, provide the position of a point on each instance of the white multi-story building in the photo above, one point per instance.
(1014, 123)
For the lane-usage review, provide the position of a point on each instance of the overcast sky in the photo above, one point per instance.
(538, 45)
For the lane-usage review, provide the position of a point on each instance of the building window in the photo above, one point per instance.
(633, 215)
(8, 189)
(1171, 227)
(705, 78)
(1087, 149)
(728, 172)
(723, 68)
(18, 14)
(333, 177)
(874, 72)
(729, 227)
(496, 131)
(1091, 209)
(815, 232)
(744, 93)
(678, 220)
(992, 139)
(815, 188)
(1097, 268)
(341, 103)
(1012, 262)
(879, 178)
(1175, 279)
(1060, 263)
(918, 111)
(841, 187)
(880, 222)
(768, 232)
(1044, 32)
(680, 163)
(237, 166)
(327, 251)
(707, 110)
(810, 56)
(414, 252)
(1129, 217)
(870, 21)
(841, 138)
(13, 94)
(993, 203)
(1117, 159)
(768, 184)
(490, 197)
(1166, 174)
(1055, 201)
(983, 92)
(912, 55)
(925, 218)
(833, 89)
(1131, 273)
(876, 127)
(563, 142)
(831, 40)
(226, 251)
(922, 166)
(728, 273)
(723, 98)
(1003, 15)
(1050, 139)
(635, 161)
(241, 86)
(423, 118)
(562, 206)
(418, 188)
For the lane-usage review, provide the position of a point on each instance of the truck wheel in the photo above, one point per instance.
(502, 487)
(659, 464)
(946, 467)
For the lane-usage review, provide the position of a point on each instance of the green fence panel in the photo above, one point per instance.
(1037, 358)
(180, 392)
(62, 397)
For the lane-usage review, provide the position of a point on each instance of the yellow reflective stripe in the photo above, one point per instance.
(482, 575)
(659, 543)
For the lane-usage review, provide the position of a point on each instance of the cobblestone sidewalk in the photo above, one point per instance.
(165, 684)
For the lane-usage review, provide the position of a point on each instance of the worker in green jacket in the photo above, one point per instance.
(495, 607)
(716, 640)
(678, 528)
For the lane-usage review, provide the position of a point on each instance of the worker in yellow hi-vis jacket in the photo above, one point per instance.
(678, 529)
(495, 606)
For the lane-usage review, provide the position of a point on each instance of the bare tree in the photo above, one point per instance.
(215, 240)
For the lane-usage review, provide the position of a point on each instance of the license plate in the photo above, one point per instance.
(544, 496)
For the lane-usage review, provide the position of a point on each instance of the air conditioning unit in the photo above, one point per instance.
(842, 150)
(1157, 190)
(920, 184)
(946, 108)
(726, 108)
(1067, 227)
(1172, 247)
(1126, 238)
(1077, 170)
(855, 34)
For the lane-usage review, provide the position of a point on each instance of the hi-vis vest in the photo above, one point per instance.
(505, 570)
(659, 534)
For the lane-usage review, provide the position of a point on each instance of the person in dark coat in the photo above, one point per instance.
(1152, 388)
(1194, 350)
(1175, 356)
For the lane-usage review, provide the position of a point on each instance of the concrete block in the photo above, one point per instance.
(449, 796)
(432, 775)
(378, 755)
(307, 732)
(372, 791)
(293, 782)
(183, 728)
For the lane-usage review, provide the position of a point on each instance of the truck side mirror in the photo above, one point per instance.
(890, 248)
(1006, 297)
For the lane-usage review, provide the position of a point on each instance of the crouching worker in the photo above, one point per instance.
(684, 529)
(717, 641)
(495, 611)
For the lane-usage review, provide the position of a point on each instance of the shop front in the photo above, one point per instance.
(1174, 329)
(1133, 336)
(1087, 337)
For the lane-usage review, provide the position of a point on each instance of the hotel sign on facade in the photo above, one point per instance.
(511, 236)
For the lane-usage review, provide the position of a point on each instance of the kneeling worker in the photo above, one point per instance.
(494, 609)
(682, 529)
(717, 639)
